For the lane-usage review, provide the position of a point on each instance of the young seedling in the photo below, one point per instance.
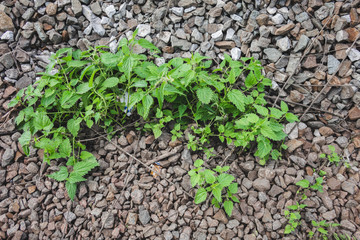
(333, 157)
(217, 184)
(293, 216)
(321, 229)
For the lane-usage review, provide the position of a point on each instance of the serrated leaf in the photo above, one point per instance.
(68, 99)
(60, 175)
(261, 110)
(200, 196)
(250, 80)
(195, 179)
(110, 82)
(73, 125)
(135, 98)
(65, 148)
(71, 189)
(228, 206)
(75, 178)
(77, 63)
(217, 192)
(205, 95)
(109, 59)
(25, 138)
(284, 106)
(225, 179)
(288, 229)
(276, 113)
(146, 44)
(147, 102)
(303, 183)
(42, 122)
(263, 148)
(233, 188)
(209, 176)
(237, 98)
(198, 163)
(251, 117)
(291, 117)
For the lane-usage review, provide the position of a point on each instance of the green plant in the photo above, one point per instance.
(320, 228)
(217, 183)
(95, 87)
(333, 157)
(342, 237)
(293, 216)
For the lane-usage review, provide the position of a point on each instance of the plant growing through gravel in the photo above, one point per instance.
(217, 184)
(293, 216)
(333, 157)
(80, 90)
(320, 228)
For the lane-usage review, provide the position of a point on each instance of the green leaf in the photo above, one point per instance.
(200, 196)
(205, 95)
(221, 128)
(250, 80)
(216, 191)
(127, 66)
(276, 113)
(73, 126)
(135, 98)
(233, 188)
(25, 138)
(288, 229)
(323, 231)
(83, 167)
(209, 176)
(86, 156)
(110, 82)
(148, 45)
(262, 110)
(71, 189)
(225, 179)
(195, 179)
(68, 99)
(157, 131)
(237, 98)
(75, 178)
(291, 117)
(284, 106)
(77, 63)
(42, 122)
(251, 117)
(147, 103)
(303, 183)
(65, 148)
(228, 206)
(263, 148)
(109, 59)
(60, 175)
(198, 163)
(268, 132)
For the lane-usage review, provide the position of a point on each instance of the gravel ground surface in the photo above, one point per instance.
(310, 50)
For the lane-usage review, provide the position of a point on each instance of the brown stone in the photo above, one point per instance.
(337, 7)
(326, 131)
(284, 29)
(340, 50)
(262, 19)
(293, 144)
(221, 216)
(354, 113)
(354, 17)
(168, 49)
(230, 7)
(47, 26)
(6, 23)
(31, 189)
(8, 91)
(65, 35)
(226, 44)
(357, 141)
(353, 33)
(310, 62)
(51, 9)
(344, 69)
(149, 139)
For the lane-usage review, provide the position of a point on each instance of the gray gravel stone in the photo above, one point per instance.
(261, 184)
(144, 215)
(302, 43)
(137, 196)
(273, 54)
(332, 64)
(284, 44)
(69, 216)
(7, 157)
(354, 54)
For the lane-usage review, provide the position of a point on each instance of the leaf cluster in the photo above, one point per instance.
(215, 183)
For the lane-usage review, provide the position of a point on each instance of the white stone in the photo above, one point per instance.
(229, 34)
(217, 36)
(179, 11)
(110, 11)
(236, 17)
(164, 36)
(113, 45)
(354, 54)
(144, 30)
(105, 20)
(271, 10)
(235, 53)
(8, 35)
(284, 44)
(277, 19)
(88, 29)
(87, 13)
(159, 61)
